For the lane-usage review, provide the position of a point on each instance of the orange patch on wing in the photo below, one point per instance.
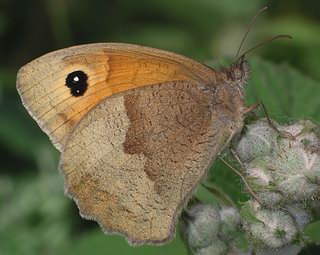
(111, 69)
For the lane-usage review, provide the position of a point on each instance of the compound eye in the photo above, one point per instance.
(237, 73)
(77, 82)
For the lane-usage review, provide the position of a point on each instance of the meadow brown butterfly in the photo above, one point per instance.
(137, 128)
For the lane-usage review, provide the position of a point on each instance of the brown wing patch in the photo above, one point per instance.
(176, 128)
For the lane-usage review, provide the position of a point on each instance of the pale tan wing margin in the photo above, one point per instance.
(111, 67)
(134, 160)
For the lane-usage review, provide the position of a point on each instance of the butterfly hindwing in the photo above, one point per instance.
(134, 160)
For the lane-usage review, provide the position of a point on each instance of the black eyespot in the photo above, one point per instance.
(77, 82)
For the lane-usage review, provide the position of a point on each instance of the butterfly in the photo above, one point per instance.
(137, 129)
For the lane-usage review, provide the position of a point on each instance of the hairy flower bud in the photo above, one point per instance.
(203, 225)
(258, 140)
(281, 167)
(208, 229)
(271, 228)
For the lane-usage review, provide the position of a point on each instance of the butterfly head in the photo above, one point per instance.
(238, 73)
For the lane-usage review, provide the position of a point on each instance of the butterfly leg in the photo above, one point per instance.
(261, 104)
(251, 108)
(240, 174)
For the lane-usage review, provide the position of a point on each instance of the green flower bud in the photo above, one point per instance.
(262, 182)
(270, 198)
(296, 170)
(272, 228)
(278, 168)
(204, 225)
(230, 216)
(258, 140)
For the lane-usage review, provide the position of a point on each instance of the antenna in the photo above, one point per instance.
(265, 42)
(249, 28)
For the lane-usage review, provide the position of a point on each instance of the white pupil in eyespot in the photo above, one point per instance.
(76, 79)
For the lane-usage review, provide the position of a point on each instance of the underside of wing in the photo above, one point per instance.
(133, 161)
(109, 69)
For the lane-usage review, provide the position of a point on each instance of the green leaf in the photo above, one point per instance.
(288, 94)
(247, 213)
(312, 230)
(223, 178)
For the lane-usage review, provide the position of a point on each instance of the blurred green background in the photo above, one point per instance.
(35, 216)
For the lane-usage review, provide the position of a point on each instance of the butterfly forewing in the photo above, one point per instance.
(60, 87)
